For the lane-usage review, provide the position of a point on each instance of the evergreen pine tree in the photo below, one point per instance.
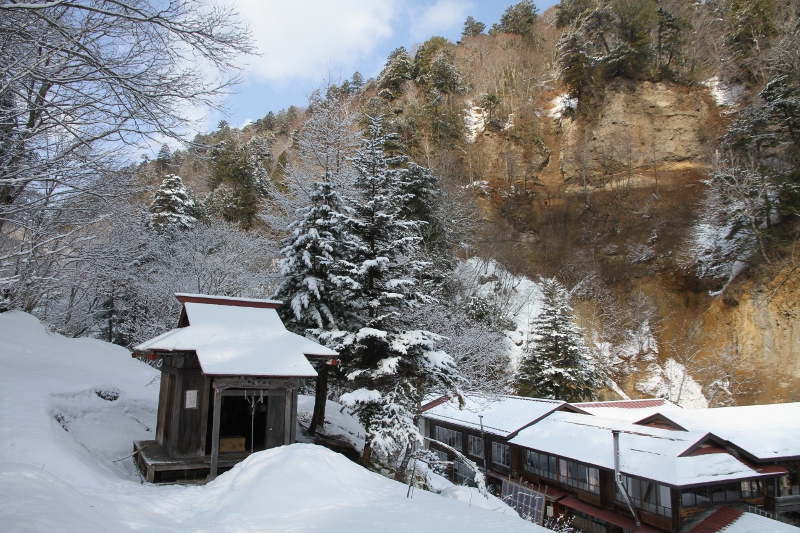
(172, 205)
(399, 68)
(472, 27)
(556, 363)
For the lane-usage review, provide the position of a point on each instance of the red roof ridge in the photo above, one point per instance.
(626, 404)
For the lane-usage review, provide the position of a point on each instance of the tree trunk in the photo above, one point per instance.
(320, 399)
(366, 455)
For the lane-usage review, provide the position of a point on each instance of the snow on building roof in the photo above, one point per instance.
(736, 521)
(645, 452)
(766, 432)
(502, 416)
(630, 410)
(238, 340)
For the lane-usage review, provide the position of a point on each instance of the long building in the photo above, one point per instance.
(668, 469)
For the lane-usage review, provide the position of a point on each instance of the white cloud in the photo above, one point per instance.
(303, 38)
(442, 16)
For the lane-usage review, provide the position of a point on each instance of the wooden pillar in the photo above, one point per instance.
(212, 474)
(293, 416)
(287, 415)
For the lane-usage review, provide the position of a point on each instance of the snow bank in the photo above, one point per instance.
(473, 497)
(72, 407)
(338, 423)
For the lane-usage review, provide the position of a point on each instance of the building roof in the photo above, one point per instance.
(630, 410)
(502, 416)
(735, 521)
(605, 515)
(645, 452)
(239, 340)
(765, 432)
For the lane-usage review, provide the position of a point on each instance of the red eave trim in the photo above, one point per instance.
(718, 520)
(221, 300)
(430, 405)
(605, 515)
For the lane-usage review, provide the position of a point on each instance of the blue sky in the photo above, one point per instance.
(302, 42)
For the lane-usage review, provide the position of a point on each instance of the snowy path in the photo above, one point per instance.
(70, 407)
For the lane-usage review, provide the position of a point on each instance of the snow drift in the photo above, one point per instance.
(71, 409)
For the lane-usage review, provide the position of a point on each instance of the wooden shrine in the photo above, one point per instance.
(230, 374)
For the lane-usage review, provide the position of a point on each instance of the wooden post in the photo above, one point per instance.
(293, 417)
(287, 416)
(212, 474)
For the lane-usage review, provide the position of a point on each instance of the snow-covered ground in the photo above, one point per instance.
(70, 409)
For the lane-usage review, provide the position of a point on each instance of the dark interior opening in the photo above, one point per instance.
(237, 419)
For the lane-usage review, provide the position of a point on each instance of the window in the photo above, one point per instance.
(449, 437)
(752, 489)
(728, 492)
(647, 496)
(694, 496)
(462, 474)
(570, 473)
(500, 454)
(475, 446)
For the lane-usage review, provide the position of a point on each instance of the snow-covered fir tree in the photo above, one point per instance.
(172, 205)
(315, 288)
(556, 362)
(312, 283)
(390, 369)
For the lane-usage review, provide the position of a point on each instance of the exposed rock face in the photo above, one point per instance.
(615, 196)
(639, 123)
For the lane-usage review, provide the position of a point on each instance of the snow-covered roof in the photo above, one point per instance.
(732, 520)
(767, 432)
(629, 410)
(645, 452)
(502, 416)
(233, 339)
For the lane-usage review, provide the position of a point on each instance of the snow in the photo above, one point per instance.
(52, 479)
(645, 452)
(753, 523)
(475, 121)
(502, 416)
(351, 399)
(473, 497)
(674, 383)
(520, 298)
(339, 424)
(560, 104)
(746, 427)
(240, 341)
(724, 95)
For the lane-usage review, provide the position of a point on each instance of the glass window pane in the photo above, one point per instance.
(701, 493)
(687, 498)
(731, 492)
(572, 470)
(718, 493)
(664, 498)
(562, 468)
(553, 465)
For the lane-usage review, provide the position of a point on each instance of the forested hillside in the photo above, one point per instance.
(596, 201)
